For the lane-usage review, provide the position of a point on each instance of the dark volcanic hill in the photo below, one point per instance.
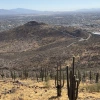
(38, 44)
(41, 30)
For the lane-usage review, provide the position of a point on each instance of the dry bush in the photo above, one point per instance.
(93, 88)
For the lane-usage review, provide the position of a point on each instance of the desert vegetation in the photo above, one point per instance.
(49, 62)
(63, 83)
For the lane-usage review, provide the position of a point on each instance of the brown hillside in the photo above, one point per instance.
(38, 44)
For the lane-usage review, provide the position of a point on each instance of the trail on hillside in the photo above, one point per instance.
(80, 40)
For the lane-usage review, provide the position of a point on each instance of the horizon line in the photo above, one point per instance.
(50, 10)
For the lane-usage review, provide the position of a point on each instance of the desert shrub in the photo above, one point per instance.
(47, 82)
(93, 88)
(15, 98)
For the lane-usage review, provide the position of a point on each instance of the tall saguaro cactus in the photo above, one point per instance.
(72, 84)
(58, 80)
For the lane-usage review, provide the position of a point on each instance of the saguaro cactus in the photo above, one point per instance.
(42, 73)
(45, 74)
(79, 76)
(37, 77)
(58, 80)
(97, 78)
(90, 76)
(84, 77)
(25, 73)
(72, 84)
(2, 74)
(13, 75)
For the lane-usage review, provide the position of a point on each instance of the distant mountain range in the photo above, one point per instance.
(29, 11)
(89, 10)
(23, 11)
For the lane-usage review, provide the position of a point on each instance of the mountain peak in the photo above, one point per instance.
(34, 23)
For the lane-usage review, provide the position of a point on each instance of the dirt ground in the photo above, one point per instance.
(33, 90)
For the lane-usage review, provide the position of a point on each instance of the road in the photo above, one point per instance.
(80, 40)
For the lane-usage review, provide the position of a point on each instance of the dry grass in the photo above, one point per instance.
(32, 90)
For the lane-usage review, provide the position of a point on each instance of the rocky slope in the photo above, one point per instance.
(38, 44)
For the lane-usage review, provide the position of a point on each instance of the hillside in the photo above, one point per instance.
(38, 44)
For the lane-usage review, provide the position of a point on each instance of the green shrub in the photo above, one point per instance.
(93, 88)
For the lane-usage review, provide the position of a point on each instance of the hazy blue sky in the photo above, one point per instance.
(50, 5)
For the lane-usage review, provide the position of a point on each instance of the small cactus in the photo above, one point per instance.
(2, 74)
(84, 77)
(42, 73)
(25, 73)
(13, 75)
(90, 76)
(97, 78)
